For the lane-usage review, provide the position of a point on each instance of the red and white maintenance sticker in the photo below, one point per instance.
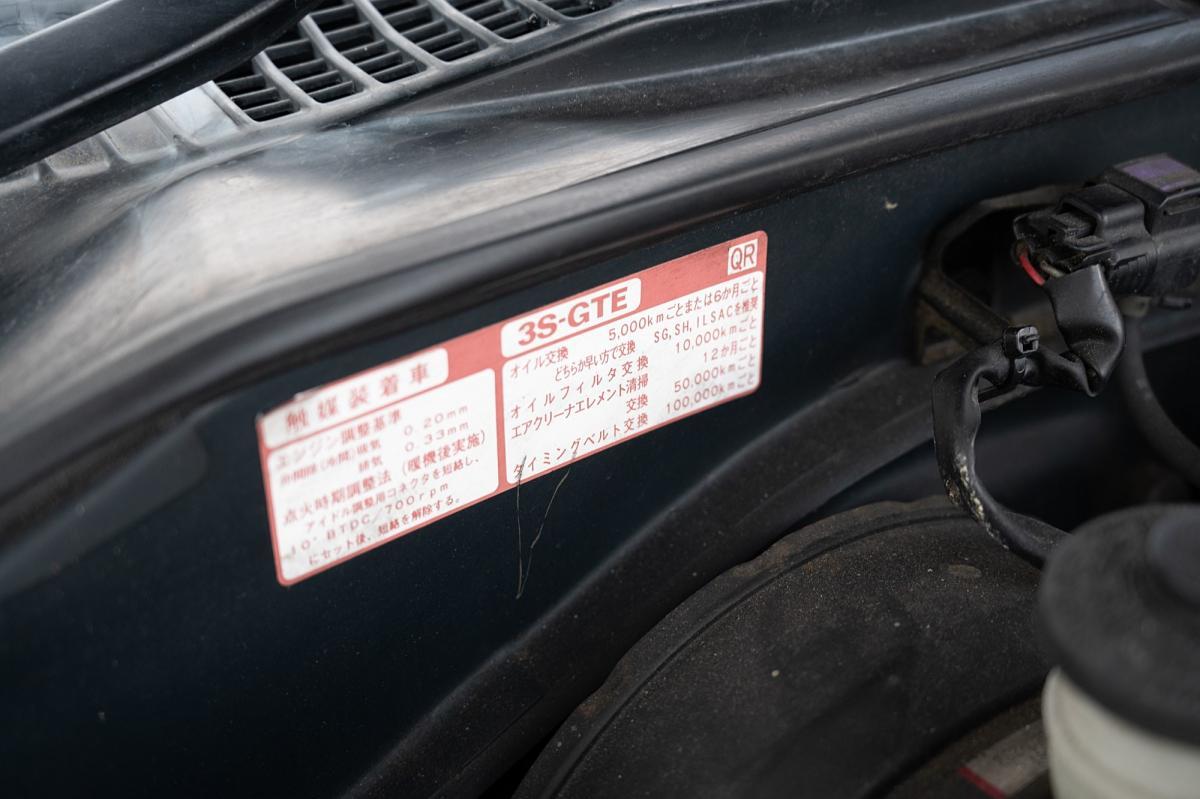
(361, 461)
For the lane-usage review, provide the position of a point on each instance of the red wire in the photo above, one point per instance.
(1027, 265)
(979, 782)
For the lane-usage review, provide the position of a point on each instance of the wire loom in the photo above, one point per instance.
(1134, 231)
(1092, 326)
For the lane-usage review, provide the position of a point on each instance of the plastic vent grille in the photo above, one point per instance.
(577, 8)
(501, 17)
(357, 40)
(251, 92)
(343, 47)
(295, 57)
(427, 29)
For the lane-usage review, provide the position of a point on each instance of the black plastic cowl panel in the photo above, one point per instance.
(588, 149)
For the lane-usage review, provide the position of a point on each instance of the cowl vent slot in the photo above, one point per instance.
(296, 58)
(577, 8)
(358, 41)
(426, 28)
(505, 19)
(252, 93)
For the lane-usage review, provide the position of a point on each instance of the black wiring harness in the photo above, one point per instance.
(1135, 232)
(1171, 444)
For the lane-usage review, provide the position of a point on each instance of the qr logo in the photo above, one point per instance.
(743, 256)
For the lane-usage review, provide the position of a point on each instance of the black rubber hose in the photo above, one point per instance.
(1167, 440)
(85, 74)
(956, 419)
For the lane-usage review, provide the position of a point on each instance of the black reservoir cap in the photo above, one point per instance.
(1119, 611)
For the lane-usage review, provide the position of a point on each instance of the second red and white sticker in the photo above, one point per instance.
(359, 462)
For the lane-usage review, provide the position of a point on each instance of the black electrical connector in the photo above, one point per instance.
(1133, 232)
(1139, 222)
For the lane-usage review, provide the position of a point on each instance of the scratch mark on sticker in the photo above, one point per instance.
(524, 569)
